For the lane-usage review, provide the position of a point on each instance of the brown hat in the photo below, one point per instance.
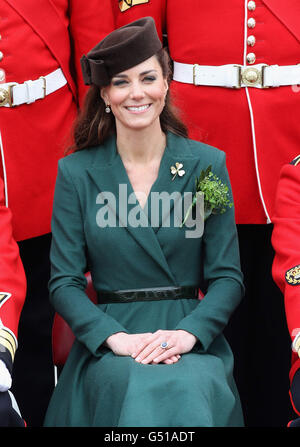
(120, 50)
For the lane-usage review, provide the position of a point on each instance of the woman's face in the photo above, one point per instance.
(137, 96)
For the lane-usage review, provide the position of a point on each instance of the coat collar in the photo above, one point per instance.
(54, 34)
(108, 172)
(288, 13)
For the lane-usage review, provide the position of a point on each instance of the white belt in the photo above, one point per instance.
(14, 94)
(237, 76)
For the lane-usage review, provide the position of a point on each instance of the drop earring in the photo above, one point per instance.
(107, 109)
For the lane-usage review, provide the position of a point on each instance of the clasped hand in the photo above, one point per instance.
(146, 347)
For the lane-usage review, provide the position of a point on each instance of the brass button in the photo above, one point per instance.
(251, 41)
(1, 55)
(251, 22)
(251, 5)
(251, 58)
(2, 75)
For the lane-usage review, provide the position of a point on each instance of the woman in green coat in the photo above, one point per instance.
(150, 353)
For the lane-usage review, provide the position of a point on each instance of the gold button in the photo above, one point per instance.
(251, 5)
(251, 58)
(251, 22)
(1, 55)
(251, 41)
(2, 75)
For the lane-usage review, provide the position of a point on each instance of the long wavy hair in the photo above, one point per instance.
(93, 125)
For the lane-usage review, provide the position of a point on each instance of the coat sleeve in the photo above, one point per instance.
(12, 285)
(89, 22)
(222, 273)
(89, 323)
(286, 243)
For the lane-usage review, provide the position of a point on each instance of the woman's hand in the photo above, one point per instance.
(130, 345)
(150, 350)
(125, 344)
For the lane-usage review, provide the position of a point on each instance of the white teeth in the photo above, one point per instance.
(138, 109)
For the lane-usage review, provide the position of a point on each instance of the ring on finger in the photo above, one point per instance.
(164, 345)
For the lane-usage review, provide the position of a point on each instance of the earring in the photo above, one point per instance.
(107, 109)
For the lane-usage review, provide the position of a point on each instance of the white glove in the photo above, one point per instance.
(5, 377)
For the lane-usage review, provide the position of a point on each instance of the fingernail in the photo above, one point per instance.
(138, 359)
(133, 355)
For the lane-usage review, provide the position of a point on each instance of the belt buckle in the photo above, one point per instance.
(252, 76)
(6, 94)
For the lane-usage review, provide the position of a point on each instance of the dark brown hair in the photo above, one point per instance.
(93, 125)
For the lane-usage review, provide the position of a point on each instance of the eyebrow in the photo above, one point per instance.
(141, 74)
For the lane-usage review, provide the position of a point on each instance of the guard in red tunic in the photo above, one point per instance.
(286, 266)
(12, 296)
(41, 87)
(236, 70)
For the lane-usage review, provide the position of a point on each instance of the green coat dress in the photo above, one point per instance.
(97, 387)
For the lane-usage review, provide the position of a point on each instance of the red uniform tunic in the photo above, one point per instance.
(36, 39)
(12, 285)
(257, 128)
(286, 243)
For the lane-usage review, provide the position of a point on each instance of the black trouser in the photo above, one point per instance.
(9, 416)
(295, 394)
(33, 377)
(258, 335)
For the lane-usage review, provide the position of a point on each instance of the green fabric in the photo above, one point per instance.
(98, 388)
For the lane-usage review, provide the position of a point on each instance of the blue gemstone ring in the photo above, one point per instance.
(164, 345)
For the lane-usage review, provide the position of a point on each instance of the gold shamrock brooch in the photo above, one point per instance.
(177, 170)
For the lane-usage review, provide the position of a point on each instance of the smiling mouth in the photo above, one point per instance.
(138, 109)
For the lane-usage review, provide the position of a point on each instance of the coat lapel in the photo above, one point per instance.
(110, 175)
(288, 13)
(45, 21)
(177, 151)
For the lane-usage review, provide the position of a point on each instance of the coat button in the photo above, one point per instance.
(251, 5)
(251, 58)
(251, 22)
(1, 55)
(2, 75)
(251, 41)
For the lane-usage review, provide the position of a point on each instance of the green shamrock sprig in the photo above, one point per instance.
(216, 194)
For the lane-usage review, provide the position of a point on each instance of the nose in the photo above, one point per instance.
(136, 90)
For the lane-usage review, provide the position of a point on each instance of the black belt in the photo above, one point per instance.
(155, 294)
